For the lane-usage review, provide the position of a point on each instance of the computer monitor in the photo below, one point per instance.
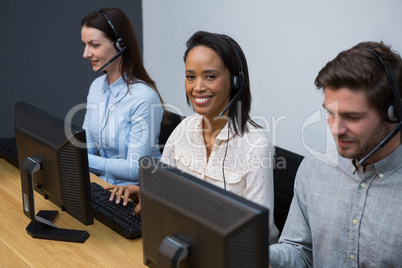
(52, 165)
(193, 223)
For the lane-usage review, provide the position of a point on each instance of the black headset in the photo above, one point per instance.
(237, 82)
(119, 45)
(238, 85)
(393, 111)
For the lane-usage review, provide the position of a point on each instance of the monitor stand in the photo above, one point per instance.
(42, 226)
(171, 252)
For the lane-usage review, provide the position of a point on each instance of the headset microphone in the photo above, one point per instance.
(111, 60)
(235, 98)
(394, 112)
(237, 82)
(119, 44)
(382, 143)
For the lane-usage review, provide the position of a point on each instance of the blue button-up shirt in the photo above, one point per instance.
(121, 126)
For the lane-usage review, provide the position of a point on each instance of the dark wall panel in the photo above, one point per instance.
(41, 54)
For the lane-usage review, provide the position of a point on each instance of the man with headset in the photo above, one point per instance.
(347, 204)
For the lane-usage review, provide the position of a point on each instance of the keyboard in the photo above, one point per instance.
(117, 217)
(8, 151)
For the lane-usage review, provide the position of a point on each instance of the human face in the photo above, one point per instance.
(98, 49)
(356, 127)
(207, 82)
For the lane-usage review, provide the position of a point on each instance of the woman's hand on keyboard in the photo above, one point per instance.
(126, 192)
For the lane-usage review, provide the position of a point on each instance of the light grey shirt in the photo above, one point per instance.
(342, 218)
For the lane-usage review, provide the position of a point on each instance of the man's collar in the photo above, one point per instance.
(385, 166)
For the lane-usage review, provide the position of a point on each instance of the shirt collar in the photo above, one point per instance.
(115, 88)
(222, 136)
(387, 165)
(198, 124)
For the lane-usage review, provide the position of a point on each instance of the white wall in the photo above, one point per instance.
(286, 43)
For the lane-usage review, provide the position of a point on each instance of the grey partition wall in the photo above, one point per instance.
(41, 54)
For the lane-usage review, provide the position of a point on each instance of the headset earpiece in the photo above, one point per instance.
(390, 114)
(119, 45)
(393, 111)
(237, 81)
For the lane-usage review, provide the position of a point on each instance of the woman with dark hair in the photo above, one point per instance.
(234, 60)
(220, 143)
(124, 107)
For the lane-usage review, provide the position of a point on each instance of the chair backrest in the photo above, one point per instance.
(286, 164)
(167, 129)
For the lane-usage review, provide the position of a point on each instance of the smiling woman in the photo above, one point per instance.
(220, 143)
(99, 49)
(207, 84)
(124, 108)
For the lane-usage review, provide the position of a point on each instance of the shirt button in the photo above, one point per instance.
(355, 221)
(363, 185)
(352, 257)
(381, 175)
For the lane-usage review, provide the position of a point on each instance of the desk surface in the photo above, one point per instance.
(104, 247)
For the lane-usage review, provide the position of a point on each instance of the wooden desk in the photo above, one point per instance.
(104, 247)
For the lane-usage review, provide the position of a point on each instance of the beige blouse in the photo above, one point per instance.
(248, 165)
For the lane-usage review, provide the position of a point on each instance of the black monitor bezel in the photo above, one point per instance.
(152, 216)
(62, 172)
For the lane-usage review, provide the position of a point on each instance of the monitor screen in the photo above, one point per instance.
(52, 164)
(188, 221)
